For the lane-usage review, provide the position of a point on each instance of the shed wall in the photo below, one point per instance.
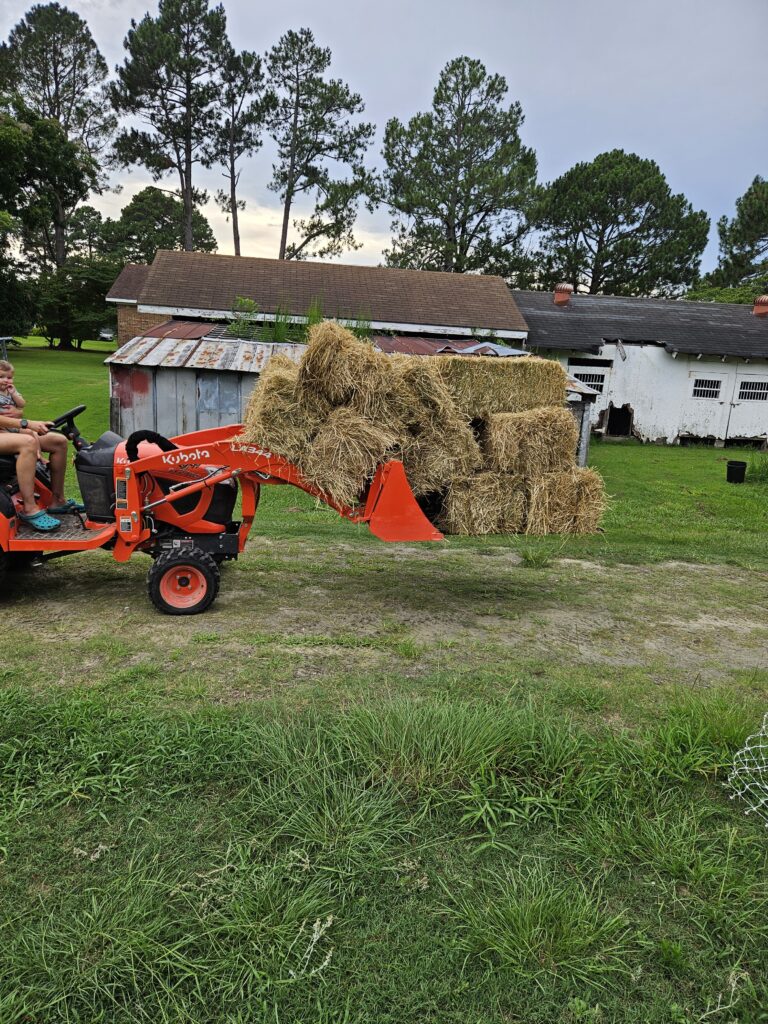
(660, 391)
(176, 401)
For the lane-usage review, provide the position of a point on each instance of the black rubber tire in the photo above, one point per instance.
(167, 562)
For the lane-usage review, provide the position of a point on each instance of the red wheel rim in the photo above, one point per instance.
(183, 586)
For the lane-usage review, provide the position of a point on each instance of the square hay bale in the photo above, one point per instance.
(481, 385)
(421, 389)
(530, 443)
(348, 372)
(344, 454)
(484, 503)
(435, 450)
(571, 501)
(279, 415)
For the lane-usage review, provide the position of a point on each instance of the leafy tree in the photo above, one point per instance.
(85, 237)
(168, 81)
(239, 115)
(52, 62)
(312, 123)
(71, 298)
(613, 225)
(744, 239)
(54, 68)
(152, 220)
(59, 175)
(458, 178)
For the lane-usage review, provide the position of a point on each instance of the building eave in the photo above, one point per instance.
(379, 325)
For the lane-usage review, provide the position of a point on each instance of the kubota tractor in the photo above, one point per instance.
(174, 498)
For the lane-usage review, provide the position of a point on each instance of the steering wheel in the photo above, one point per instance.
(68, 417)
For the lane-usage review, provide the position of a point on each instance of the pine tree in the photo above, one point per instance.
(613, 225)
(312, 123)
(458, 179)
(168, 81)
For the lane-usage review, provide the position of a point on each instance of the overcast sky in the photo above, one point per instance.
(684, 82)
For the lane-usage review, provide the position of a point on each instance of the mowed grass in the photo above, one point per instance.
(392, 784)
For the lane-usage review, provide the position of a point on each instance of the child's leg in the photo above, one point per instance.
(56, 444)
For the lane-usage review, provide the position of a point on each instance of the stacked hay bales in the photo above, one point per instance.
(486, 441)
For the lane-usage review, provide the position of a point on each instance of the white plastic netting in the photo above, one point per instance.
(749, 776)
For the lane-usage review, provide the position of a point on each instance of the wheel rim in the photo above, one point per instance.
(183, 586)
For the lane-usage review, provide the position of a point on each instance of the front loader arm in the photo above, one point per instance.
(389, 508)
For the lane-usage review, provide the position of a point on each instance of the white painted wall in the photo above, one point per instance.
(659, 389)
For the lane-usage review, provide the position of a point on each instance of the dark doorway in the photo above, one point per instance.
(619, 420)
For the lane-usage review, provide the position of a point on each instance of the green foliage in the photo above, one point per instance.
(757, 468)
(168, 81)
(312, 122)
(458, 178)
(744, 240)
(613, 226)
(152, 220)
(71, 298)
(740, 293)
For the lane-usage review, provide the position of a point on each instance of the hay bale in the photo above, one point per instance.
(530, 443)
(434, 451)
(571, 501)
(348, 372)
(345, 453)
(484, 503)
(279, 416)
(421, 389)
(481, 385)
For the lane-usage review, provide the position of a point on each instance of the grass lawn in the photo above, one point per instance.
(471, 782)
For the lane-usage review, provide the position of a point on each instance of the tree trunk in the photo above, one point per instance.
(189, 242)
(290, 183)
(233, 202)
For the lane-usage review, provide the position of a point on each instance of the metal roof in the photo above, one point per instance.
(197, 346)
(587, 321)
(411, 346)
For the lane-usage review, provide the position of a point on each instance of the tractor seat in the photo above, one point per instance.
(7, 468)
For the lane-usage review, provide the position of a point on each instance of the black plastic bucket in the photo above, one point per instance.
(735, 472)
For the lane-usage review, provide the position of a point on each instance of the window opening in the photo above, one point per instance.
(704, 388)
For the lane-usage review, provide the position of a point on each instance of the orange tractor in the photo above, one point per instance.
(173, 499)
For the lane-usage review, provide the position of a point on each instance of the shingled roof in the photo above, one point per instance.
(205, 285)
(706, 328)
(129, 283)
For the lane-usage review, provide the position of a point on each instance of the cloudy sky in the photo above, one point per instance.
(682, 81)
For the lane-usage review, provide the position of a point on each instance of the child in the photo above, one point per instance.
(25, 439)
(11, 400)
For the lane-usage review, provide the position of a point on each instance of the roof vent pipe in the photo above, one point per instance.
(761, 306)
(563, 293)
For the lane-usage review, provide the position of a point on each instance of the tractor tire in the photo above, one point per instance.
(183, 582)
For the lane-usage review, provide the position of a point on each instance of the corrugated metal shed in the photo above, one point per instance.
(182, 376)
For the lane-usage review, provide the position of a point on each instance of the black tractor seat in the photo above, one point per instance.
(7, 469)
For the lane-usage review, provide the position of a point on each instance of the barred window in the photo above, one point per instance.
(593, 380)
(753, 391)
(706, 388)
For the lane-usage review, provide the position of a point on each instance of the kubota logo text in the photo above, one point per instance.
(180, 458)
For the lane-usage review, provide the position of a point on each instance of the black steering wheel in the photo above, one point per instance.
(68, 418)
(66, 423)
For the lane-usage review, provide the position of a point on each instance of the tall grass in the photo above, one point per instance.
(327, 866)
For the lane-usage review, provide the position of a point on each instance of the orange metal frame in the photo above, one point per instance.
(216, 455)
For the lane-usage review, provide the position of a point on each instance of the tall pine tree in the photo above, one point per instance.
(458, 179)
(168, 81)
(313, 123)
(613, 225)
(238, 120)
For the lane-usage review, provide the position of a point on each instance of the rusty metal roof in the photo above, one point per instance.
(198, 346)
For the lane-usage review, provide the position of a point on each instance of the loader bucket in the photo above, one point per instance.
(392, 512)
